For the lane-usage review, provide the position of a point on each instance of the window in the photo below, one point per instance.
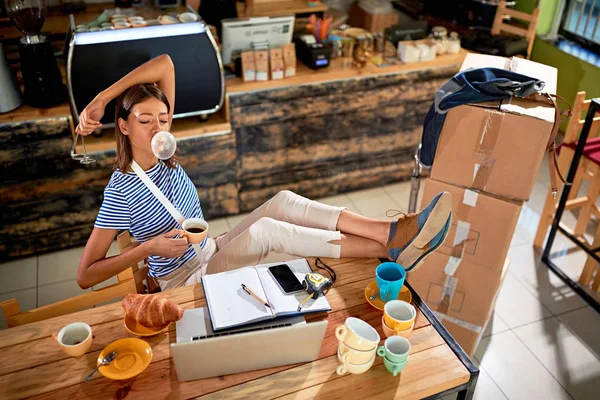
(580, 22)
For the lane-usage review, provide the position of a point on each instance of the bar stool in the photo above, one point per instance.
(589, 170)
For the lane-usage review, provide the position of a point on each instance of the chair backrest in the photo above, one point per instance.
(130, 281)
(576, 122)
(139, 273)
(528, 33)
(14, 316)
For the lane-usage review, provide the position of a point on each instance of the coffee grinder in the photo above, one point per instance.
(41, 77)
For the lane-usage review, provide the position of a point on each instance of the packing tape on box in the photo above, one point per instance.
(464, 324)
(486, 142)
(461, 237)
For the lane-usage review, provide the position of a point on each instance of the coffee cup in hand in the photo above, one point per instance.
(194, 230)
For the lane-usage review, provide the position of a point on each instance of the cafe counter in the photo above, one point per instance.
(318, 133)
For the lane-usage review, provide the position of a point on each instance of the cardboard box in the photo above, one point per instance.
(360, 18)
(482, 227)
(497, 147)
(464, 301)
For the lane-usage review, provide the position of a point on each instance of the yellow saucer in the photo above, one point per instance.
(133, 356)
(136, 328)
(372, 288)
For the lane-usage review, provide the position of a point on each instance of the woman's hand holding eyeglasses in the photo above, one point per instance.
(89, 119)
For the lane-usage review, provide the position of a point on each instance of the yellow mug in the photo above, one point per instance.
(399, 315)
(194, 230)
(357, 334)
(356, 369)
(349, 355)
(74, 339)
(388, 332)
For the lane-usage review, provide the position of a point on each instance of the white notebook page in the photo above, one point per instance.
(229, 304)
(288, 303)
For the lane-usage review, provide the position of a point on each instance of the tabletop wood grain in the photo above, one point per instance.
(32, 364)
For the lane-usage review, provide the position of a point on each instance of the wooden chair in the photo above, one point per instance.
(129, 281)
(589, 169)
(139, 274)
(528, 33)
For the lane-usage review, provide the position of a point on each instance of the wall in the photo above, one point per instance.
(574, 74)
(547, 9)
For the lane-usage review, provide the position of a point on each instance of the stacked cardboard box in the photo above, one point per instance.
(487, 157)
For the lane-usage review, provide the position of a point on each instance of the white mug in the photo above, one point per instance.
(188, 17)
(74, 339)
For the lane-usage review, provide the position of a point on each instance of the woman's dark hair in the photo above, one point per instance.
(125, 102)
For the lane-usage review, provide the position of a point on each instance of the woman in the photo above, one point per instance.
(287, 223)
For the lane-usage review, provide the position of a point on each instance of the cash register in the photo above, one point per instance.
(315, 55)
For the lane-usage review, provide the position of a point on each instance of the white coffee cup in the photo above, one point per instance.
(357, 334)
(74, 339)
(353, 368)
(188, 17)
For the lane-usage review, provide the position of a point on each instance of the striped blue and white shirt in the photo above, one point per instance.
(129, 205)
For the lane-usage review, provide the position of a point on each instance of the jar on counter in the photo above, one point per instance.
(453, 43)
(336, 46)
(439, 39)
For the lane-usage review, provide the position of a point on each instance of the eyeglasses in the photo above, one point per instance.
(82, 158)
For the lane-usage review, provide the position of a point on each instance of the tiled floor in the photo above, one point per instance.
(543, 341)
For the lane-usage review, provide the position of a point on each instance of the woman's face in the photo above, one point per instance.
(145, 120)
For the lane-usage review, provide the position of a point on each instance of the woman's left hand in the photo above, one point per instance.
(89, 119)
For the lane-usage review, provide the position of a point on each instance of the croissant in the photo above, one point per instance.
(151, 309)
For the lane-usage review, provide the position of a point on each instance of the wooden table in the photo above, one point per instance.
(32, 365)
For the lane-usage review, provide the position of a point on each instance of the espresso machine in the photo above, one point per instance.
(42, 81)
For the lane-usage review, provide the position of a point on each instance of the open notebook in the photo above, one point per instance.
(229, 305)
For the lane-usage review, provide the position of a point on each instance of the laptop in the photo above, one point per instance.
(201, 353)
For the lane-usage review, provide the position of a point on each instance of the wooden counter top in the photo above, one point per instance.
(338, 70)
(304, 75)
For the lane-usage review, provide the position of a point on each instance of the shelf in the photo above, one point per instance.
(285, 8)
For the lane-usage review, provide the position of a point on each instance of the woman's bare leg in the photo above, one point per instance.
(368, 228)
(358, 246)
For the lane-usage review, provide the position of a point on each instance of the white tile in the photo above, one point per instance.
(234, 220)
(59, 266)
(540, 281)
(543, 175)
(564, 356)
(516, 372)
(18, 275)
(217, 227)
(400, 193)
(372, 202)
(27, 301)
(538, 197)
(340, 200)
(585, 324)
(516, 306)
(486, 389)
(517, 240)
(495, 325)
(48, 294)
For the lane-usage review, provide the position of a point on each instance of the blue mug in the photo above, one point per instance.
(390, 278)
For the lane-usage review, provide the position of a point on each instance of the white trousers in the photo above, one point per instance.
(287, 223)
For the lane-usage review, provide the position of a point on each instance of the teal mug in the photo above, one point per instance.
(390, 278)
(395, 349)
(394, 368)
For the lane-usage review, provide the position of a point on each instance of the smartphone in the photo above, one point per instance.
(286, 279)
